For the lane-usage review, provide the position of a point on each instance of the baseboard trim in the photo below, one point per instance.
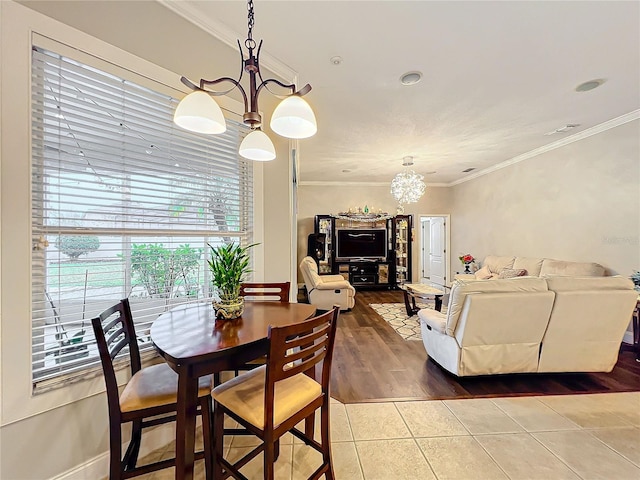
(98, 467)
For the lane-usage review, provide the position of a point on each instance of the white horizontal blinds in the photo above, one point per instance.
(124, 204)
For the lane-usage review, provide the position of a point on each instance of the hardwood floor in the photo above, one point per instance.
(373, 363)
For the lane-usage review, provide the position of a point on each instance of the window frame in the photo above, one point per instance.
(91, 367)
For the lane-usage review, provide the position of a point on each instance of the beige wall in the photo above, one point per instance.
(278, 223)
(580, 202)
(317, 200)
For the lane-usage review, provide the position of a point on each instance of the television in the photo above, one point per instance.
(361, 243)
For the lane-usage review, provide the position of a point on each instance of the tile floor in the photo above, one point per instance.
(594, 436)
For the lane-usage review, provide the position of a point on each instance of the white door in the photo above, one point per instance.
(437, 254)
(425, 235)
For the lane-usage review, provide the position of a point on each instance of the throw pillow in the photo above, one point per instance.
(512, 272)
(484, 273)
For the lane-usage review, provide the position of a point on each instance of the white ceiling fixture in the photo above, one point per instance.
(292, 118)
(411, 78)
(407, 187)
(590, 85)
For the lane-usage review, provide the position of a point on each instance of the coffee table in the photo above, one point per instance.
(420, 290)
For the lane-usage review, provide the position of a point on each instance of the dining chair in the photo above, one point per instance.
(261, 292)
(150, 392)
(271, 400)
(265, 291)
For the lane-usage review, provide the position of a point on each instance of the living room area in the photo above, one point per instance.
(522, 120)
(532, 209)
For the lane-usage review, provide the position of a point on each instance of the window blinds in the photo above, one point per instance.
(124, 204)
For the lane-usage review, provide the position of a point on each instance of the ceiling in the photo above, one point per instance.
(497, 77)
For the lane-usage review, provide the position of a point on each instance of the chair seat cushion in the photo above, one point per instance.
(244, 396)
(155, 386)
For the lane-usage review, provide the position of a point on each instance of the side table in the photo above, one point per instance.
(420, 290)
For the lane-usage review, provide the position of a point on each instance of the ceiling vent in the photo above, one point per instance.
(469, 170)
(590, 85)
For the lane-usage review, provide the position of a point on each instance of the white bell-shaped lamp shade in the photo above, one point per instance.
(198, 112)
(257, 146)
(293, 118)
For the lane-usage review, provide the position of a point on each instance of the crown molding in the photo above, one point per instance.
(602, 127)
(227, 36)
(436, 184)
(358, 184)
(343, 184)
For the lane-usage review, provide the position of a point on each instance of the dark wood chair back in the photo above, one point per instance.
(265, 291)
(114, 330)
(298, 348)
(294, 351)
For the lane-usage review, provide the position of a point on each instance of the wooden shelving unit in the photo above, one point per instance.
(388, 271)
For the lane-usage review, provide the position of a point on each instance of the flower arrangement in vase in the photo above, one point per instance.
(466, 260)
(229, 265)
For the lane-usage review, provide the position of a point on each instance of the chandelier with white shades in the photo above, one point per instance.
(292, 118)
(407, 187)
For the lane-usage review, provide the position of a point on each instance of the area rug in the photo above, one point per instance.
(395, 314)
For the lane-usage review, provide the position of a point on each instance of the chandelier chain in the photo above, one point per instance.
(250, 43)
(292, 118)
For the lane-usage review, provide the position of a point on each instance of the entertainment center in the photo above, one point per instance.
(368, 250)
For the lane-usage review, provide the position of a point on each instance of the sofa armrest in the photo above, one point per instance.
(331, 278)
(433, 320)
(464, 276)
(336, 285)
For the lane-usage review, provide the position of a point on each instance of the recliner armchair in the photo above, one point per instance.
(325, 291)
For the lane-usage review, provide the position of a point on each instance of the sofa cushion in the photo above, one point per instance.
(483, 274)
(574, 284)
(461, 289)
(496, 264)
(531, 265)
(512, 272)
(574, 269)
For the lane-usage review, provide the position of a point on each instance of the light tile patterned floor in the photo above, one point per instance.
(528, 438)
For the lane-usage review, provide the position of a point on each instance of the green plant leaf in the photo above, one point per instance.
(229, 265)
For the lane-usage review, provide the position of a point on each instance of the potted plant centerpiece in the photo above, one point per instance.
(229, 266)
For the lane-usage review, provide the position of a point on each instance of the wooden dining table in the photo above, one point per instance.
(195, 344)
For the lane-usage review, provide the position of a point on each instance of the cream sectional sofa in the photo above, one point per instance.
(530, 324)
(493, 266)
